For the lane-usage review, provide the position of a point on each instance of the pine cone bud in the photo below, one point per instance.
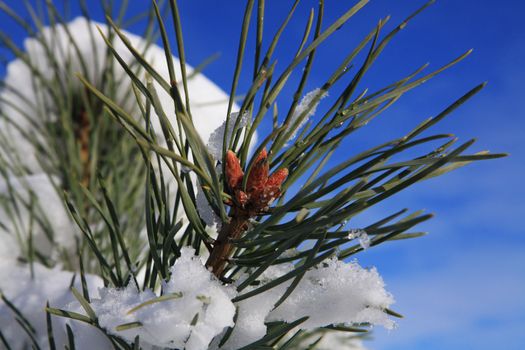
(234, 173)
(259, 172)
(277, 178)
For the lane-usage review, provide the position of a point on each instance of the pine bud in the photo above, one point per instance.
(259, 173)
(277, 178)
(234, 173)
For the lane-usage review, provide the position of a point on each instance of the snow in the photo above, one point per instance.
(212, 220)
(200, 309)
(30, 295)
(333, 292)
(253, 312)
(9, 248)
(362, 236)
(165, 323)
(337, 292)
(308, 105)
(217, 136)
(46, 203)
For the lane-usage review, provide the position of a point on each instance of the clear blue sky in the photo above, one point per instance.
(462, 286)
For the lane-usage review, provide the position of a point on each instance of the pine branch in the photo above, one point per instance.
(140, 181)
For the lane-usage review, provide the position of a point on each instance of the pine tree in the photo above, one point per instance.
(147, 212)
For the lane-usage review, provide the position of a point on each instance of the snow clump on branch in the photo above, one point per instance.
(333, 292)
(194, 308)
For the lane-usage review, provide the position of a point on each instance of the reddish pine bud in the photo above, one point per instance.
(259, 172)
(234, 173)
(262, 155)
(264, 196)
(277, 178)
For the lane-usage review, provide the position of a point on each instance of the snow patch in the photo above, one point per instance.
(362, 236)
(337, 292)
(212, 220)
(196, 308)
(30, 294)
(334, 292)
(308, 107)
(252, 312)
(36, 200)
(217, 136)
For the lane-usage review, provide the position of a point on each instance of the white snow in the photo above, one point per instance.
(337, 292)
(9, 248)
(206, 212)
(333, 292)
(362, 236)
(30, 295)
(200, 309)
(217, 136)
(308, 105)
(46, 203)
(252, 312)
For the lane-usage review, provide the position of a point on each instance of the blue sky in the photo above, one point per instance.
(463, 285)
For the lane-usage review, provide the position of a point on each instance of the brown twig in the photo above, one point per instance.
(223, 248)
